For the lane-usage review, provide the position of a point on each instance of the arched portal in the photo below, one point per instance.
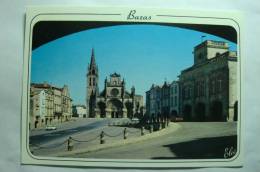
(36, 124)
(216, 111)
(187, 112)
(116, 107)
(200, 111)
(102, 109)
(46, 31)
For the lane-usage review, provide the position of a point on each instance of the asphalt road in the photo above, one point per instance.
(193, 140)
(64, 131)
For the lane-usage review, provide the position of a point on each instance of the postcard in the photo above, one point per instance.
(132, 88)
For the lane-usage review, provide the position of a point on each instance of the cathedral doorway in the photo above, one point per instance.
(115, 114)
(115, 107)
(216, 111)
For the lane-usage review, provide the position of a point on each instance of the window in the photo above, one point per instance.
(190, 92)
(90, 81)
(219, 85)
(213, 87)
(203, 88)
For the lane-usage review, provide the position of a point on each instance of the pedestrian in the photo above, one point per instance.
(125, 133)
(102, 134)
(70, 144)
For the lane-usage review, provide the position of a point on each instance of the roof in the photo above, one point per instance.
(41, 85)
(115, 75)
(230, 55)
(213, 43)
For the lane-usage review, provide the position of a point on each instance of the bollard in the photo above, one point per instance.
(125, 133)
(151, 128)
(163, 124)
(142, 131)
(160, 125)
(70, 144)
(102, 140)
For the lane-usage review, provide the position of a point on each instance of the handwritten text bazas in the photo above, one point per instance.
(132, 16)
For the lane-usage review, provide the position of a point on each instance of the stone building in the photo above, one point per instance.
(79, 111)
(174, 98)
(153, 101)
(163, 100)
(49, 104)
(209, 87)
(114, 101)
(41, 106)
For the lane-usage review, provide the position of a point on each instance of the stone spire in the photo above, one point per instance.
(92, 61)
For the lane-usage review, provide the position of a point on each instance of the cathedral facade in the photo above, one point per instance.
(114, 101)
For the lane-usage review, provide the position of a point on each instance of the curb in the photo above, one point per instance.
(171, 128)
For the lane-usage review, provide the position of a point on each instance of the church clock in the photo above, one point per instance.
(114, 92)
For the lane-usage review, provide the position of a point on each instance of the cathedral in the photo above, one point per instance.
(114, 101)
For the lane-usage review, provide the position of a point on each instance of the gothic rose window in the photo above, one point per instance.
(114, 92)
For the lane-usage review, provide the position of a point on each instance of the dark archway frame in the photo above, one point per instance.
(46, 31)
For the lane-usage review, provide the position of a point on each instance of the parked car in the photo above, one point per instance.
(51, 127)
(135, 119)
(177, 119)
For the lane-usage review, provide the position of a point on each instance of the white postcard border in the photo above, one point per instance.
(36, 14)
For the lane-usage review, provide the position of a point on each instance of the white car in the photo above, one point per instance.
(135, 119)
(49, 127)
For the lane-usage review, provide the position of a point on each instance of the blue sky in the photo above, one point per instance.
(142, 54)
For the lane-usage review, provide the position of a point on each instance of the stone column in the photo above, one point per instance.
(124, 112)
(97, 113)
(108, 113)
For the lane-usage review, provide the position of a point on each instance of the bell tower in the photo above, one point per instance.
(92, 86)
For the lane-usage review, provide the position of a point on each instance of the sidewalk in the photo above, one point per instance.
(114, 137)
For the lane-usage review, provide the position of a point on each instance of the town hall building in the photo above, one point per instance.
(209, 87)
(114, 101)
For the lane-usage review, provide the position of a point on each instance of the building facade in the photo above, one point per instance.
(174, 98)
(163, 100)
(114, 101)
(209, 87)
(153, 101)
(49, 104)
(79, 111)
